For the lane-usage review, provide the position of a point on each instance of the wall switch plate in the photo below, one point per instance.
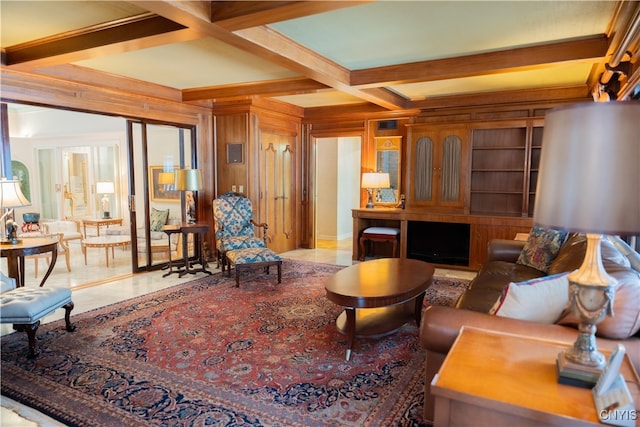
(241, 188)
(233, 188)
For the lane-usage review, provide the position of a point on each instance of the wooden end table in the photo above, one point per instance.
(97, 223)
(198, 231)
(387, 293)
(106, 242)
(15, 253)
(489, 378)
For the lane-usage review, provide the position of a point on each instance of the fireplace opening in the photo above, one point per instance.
(439, 242)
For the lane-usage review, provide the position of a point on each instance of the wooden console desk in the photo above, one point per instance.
(489, 378)
(482, 228)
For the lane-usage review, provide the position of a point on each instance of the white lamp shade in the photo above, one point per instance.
(375, 180)
(105, 187)
(188, 179)
(11, 195)
(589, 175)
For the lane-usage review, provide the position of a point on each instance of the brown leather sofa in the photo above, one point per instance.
(440, 325)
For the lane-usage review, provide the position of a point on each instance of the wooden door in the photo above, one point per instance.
(276, 198)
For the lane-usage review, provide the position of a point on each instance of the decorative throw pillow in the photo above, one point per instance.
(542, 299)
(158, 219)
(541, 248)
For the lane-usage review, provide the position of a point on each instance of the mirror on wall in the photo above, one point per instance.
(388, 154)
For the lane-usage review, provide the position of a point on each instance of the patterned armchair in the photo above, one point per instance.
(234, 226)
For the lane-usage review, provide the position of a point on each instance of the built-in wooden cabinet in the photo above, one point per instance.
(534, 164)
(437, 167)
(498, 163)
(504, 167)
(458, 240)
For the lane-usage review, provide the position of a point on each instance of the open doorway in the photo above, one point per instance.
(337, 190)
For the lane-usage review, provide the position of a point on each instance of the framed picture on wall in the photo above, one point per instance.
(162, 188)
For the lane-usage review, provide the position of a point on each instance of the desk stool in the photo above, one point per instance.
(244, 259)
(379, 234)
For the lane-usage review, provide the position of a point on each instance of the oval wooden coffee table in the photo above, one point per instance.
(387, 293)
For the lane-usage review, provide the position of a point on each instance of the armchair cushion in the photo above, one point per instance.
(69, 228)
(239, 242)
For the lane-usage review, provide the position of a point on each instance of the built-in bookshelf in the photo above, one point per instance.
(498, 164)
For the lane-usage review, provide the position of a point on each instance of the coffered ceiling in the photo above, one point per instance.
(390, 55)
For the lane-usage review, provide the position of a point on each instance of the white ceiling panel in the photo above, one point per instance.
(197, 63)
(393, 32)
(27, 20)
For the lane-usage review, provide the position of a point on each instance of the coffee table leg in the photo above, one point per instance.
(351, 329)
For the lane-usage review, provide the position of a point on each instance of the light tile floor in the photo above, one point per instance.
(94, 285)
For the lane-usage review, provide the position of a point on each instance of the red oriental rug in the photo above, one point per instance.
(207, 353)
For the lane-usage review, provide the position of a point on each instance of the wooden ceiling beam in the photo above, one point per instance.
(289, 54)
(117, 36)
(272, 46)
(477, 64)
(96, 78)
(577, 93)
(237, 15)
(281, 87)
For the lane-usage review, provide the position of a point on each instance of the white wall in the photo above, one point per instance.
(337, 192)
(327, 179)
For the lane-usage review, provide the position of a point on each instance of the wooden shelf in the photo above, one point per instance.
(498, 170)
(499, 148)
(495, 192)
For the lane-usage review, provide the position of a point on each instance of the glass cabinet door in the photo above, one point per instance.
(437, 173)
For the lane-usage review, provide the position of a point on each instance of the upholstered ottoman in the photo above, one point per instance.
(24, 307)
(244, 259)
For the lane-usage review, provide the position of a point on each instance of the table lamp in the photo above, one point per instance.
(374, 180)
(105, 188)
(189, 180)
(589, 182)
(10, 197)
(166, 178)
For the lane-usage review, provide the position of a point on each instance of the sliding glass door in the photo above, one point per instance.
(156, 151)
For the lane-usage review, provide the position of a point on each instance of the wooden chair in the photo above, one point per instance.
(379, 234)
(63, 248)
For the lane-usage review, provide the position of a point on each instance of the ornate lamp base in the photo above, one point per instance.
(370, 201)
(575, 374)
(591, 294)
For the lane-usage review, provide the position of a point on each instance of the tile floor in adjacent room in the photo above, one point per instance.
(116, 284)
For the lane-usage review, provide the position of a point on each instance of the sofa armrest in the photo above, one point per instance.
(504, 250)
(440, 327)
